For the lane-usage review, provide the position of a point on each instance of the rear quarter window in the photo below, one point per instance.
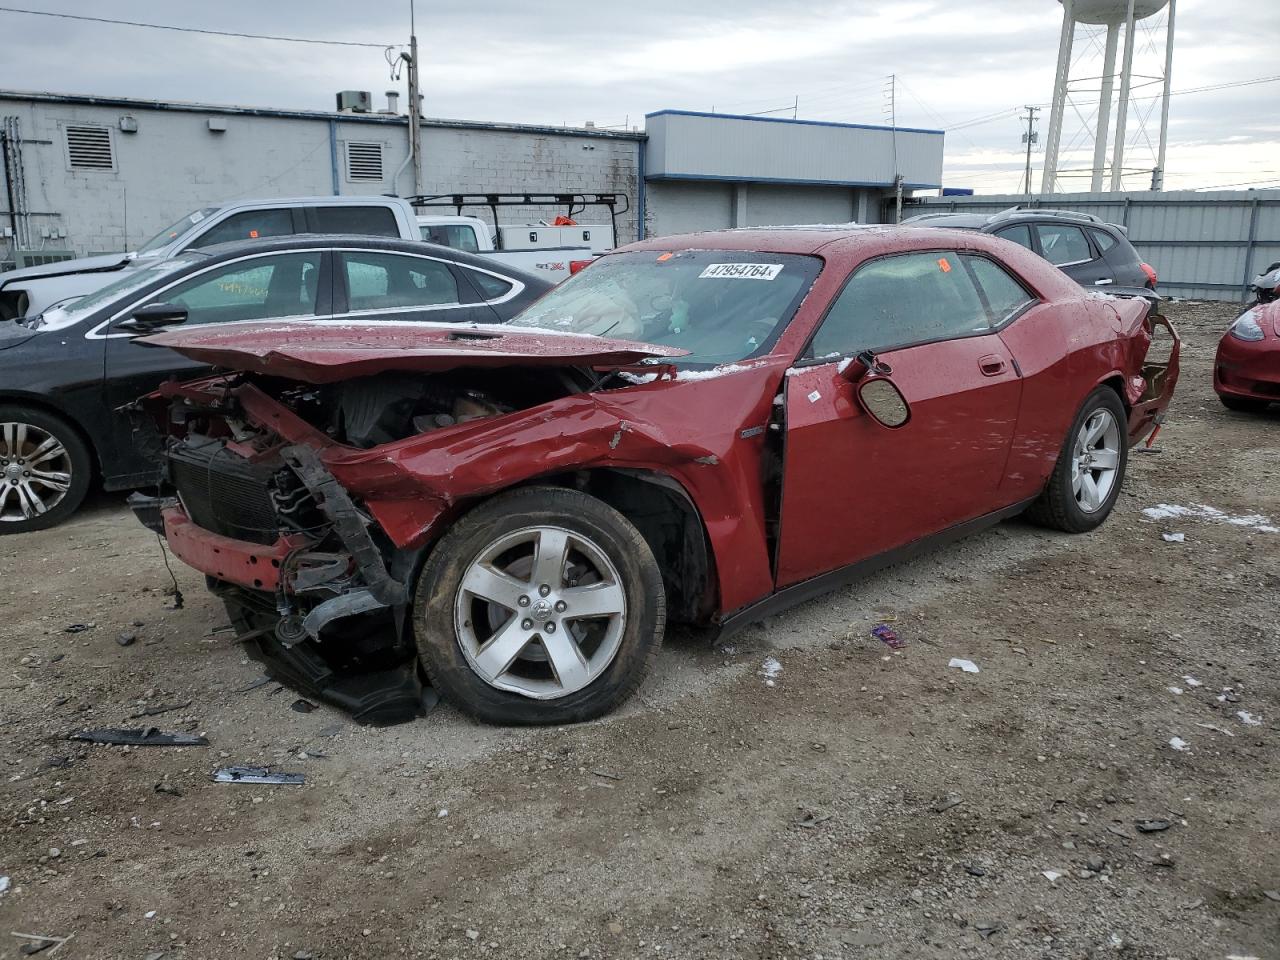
(490, 287)
(364, 221)
(1104, 241)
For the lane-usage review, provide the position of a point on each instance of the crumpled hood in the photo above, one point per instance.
(13, 333)
(326, 352)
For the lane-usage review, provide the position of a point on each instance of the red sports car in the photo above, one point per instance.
(701, 429)
(1246, 372)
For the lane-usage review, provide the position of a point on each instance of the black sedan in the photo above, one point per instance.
(64, 374)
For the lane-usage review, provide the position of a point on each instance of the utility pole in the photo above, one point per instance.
(1030, 138)
(891, 108)
(415, 106)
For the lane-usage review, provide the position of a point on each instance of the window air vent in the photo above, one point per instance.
(89, 148)
(364, 161)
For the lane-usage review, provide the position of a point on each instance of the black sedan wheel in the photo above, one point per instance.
(44, 469)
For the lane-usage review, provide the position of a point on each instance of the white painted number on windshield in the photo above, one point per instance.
(741, 271)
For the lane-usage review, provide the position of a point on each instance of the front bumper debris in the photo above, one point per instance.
(254, 566)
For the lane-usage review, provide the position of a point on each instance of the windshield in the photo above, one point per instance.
(720, 305)
(131, 279)
(174, 231)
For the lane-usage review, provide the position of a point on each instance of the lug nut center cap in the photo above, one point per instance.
(541, 611)
(13, 471)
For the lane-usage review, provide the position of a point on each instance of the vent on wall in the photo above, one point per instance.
(364, 161)
(89, 148)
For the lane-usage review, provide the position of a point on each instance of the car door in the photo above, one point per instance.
(286, 285)
(1066, 246)
(405, 287)
(852, 488)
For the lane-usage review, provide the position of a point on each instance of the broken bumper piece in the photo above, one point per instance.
(255, 566)
(140, 737)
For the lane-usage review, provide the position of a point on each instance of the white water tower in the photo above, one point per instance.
(1078, 91)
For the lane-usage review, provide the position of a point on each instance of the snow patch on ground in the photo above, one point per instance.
(1248, 718)
(770, 670)
(1179, 744)
(1200, 511)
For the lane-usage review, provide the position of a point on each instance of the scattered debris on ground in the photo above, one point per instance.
(263, 775)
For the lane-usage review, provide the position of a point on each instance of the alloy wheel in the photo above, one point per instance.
(540, 612)
(35, 471)
(1095, 460)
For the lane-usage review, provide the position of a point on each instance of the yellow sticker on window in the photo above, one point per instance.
(944, 265)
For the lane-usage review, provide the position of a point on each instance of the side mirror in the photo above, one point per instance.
(864, 364)
(153, 316)
(884, 402)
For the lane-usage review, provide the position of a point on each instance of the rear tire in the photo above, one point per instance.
(1086, 480)
(579, 617)
(45, 469)
(1244, 404)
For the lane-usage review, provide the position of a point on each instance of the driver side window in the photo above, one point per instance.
(901, 300)
(257, 289)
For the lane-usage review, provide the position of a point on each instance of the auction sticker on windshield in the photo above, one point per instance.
(741, 271)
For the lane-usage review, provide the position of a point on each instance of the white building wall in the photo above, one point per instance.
(688, 207)
(770, 204)
(686, 145)
(174, 163)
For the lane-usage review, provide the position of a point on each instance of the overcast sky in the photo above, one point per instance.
(555, 61)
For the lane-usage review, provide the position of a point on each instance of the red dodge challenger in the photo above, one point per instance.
(702, 429)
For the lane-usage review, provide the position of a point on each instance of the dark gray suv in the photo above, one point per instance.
(1089, 250)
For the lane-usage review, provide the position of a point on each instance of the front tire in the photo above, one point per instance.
(44, 469)
(1086, 480)
(1244, 404)
(543, 605)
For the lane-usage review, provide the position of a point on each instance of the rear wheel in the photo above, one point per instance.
(543, 605)
(1244, 404)
(44, 469)
(1086, 480)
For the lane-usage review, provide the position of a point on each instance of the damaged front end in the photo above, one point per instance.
(309, 485)
(314, 585)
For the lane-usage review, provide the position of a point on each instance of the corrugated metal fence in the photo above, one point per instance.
(1203, 245)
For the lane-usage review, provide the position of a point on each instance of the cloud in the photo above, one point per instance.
(562, 62)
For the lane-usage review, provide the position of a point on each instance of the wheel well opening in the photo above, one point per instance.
(664, 515)
(1116, 383)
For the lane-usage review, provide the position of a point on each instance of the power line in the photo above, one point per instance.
(215, 33)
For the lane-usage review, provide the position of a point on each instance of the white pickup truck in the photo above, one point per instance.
(31, 291)
(552, 251)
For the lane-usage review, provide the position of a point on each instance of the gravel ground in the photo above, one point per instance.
(865, 804)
